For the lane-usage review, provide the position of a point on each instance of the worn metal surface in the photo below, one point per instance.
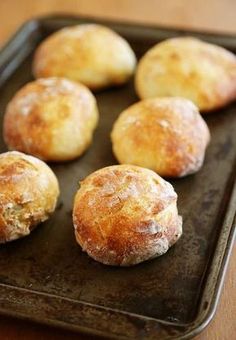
(46, 277)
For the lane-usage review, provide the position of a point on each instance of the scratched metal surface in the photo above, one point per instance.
(170, 289)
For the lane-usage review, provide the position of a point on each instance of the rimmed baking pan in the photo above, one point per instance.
(45, 277)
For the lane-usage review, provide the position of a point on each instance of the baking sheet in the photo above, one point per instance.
(47, 278)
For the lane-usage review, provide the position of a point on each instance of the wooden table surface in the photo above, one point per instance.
(213, 15)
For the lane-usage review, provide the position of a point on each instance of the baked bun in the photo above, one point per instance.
(125, 214)
(167, 135)
(91, 54)
(189, 68)
(52, 119)
(28, 194)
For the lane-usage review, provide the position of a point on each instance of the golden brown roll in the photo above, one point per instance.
(28, 194)
(125, 214)
(52, 119)
(167, 135)
(190, 68)
(91, 54)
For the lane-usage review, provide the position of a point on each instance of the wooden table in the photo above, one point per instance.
(213, 15)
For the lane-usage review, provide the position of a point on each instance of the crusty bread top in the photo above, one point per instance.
(125, 214)
(89, 53)
(167, 135)
(28, 194)
(190, 68)
(52, 119)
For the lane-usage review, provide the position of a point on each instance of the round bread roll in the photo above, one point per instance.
(52, 119)
(28, 194)
(189, 68)
(125, 214)
(167, 135)
(91, 54)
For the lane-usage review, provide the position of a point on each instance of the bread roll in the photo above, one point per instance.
(91, 54)
(125, 214)
(167, 135)
(190, 68)
(28, 194)
(52, 119)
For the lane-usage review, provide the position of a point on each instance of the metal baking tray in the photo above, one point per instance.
(47, 278)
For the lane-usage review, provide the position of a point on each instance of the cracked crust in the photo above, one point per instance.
(125, 214)
(189, 68)
(52, 119)
(28, 194)
(91, 54)
(166, 135)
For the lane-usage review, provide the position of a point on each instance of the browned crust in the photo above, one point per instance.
(28, 194)
(188, 67)
(47, 114)
(91, 54)
(124, 215)
(167, 135)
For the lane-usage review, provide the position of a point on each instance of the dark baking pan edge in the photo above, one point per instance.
(112, 322)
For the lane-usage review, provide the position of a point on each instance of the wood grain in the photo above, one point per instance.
(210, 15)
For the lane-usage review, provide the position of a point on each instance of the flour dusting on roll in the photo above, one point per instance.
(167, 135)
(190, 68)
(52, 119)
(91, 54)
(124, 215)
(28, 194)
